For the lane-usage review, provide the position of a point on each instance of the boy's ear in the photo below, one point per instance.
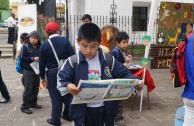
(117, 42)
(77, 41)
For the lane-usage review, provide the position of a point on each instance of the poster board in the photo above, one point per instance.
(27, 21)
(160, 56)
(174, 20)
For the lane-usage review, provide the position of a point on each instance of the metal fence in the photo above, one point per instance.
(123, 23)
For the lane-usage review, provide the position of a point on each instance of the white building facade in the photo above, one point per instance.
(102, 7)
(131, 9)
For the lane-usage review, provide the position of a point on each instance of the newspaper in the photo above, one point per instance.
(94, 91)
(35, 67)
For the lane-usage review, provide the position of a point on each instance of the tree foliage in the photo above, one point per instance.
(4, 4)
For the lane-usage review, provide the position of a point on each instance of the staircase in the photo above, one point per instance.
(6, 51)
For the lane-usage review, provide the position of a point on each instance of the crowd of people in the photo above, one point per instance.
(62, 81)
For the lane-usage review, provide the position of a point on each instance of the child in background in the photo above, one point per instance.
(31, 80)
(22, 41)
(22, 37)
(91, 58)
(119, 53)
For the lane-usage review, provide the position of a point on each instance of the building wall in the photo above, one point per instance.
(4, 15)
(102, 7)
(14, 7)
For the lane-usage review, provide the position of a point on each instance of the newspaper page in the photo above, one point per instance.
(35, 67)
(94, 91)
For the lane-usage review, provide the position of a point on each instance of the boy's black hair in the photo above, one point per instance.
(23, 36)
(120, 36)
(87, 16)
(89, 32)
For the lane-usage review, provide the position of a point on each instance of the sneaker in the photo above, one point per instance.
(27, 111)
(119, 123)
(36, 106)
(3, 100)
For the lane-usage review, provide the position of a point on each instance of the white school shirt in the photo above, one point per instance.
(94, 73)
(10, 22)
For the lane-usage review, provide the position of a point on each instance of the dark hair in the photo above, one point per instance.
(87, 16)
(23, 36)
(89, 32)
(120, 36)
(51, 33)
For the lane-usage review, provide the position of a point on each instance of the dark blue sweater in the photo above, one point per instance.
(47, 58)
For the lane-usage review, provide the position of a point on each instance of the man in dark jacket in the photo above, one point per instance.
(48, 60)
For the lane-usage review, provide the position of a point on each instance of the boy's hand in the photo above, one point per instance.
(126, 64)
(73, 89)
(36, 58)
(43, 81)
(139, 86)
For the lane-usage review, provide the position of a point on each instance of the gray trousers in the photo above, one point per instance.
(31, 83)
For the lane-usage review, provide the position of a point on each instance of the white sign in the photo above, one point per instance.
(27, 21)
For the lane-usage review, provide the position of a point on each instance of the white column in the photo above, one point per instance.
(152, 17)
(74, 7)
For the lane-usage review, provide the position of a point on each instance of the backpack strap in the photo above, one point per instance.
(21, 50)
(73, 61)
(109, 60)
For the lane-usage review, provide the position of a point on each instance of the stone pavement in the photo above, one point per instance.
(164, 101)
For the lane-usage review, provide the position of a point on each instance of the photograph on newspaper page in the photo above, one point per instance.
(94, 91)
(120, 89)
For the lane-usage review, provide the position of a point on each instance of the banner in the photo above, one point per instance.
(27, 21)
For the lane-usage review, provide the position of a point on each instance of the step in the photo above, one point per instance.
(6, 46)
(7, 50)
(4, 30)
(6, 55)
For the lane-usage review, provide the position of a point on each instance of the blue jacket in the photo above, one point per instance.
(118, 54)
(189, 64)
(47, 58)
(28, 52)
(70, 75)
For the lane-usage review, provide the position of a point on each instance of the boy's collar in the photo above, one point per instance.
(120, 49)
(123, 53)
(54, 35)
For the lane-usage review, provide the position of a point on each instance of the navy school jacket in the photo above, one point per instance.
(68, 74)
(47, 58)
(117, 53)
